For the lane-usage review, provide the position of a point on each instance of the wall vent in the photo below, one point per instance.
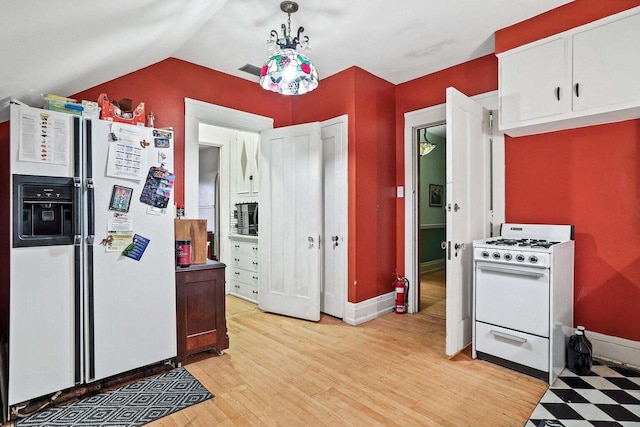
(251, 69)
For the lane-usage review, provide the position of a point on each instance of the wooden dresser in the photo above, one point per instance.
(201, 322)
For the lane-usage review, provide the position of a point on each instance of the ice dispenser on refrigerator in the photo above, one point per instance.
(43, 211)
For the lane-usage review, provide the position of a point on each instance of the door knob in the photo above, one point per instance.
(443, 245)
(310, 239)
(334, 239)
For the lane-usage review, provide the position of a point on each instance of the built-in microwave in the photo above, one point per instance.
(247, 214)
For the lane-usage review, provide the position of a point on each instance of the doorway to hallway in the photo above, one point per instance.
(432, 227)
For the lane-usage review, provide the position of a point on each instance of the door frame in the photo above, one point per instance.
(427, 117)
(197, 112)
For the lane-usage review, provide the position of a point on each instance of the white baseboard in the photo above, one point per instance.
(358, 313)
(436, 264)
(616, 349)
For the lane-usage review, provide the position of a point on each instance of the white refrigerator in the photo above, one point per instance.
(92, 261)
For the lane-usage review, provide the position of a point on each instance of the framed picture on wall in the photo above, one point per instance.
(435, 195)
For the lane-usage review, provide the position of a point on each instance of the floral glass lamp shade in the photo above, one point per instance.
(289, 72)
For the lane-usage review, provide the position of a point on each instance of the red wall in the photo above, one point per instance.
(471, 78)
(163, 87)
(375, 195)
(589, 177)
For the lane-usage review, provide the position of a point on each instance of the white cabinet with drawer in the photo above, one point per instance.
(582, 77)
(242, 267)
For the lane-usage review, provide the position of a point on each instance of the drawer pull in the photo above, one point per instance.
(511, 270)
(508, 336)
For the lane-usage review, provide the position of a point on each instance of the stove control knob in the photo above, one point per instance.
(508, 257)
(520, 258)
(485, 254)
(496, 255)
(533, 259)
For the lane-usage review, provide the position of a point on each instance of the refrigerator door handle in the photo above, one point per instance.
(77, 317)
(90, 242)
(91, 343)
(91, 223)
(77, 249)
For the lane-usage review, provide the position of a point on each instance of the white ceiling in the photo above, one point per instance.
(66, 46)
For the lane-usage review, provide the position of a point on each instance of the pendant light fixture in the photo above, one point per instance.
(288, 71)
(425, 145)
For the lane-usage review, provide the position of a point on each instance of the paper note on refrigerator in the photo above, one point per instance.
(44, 138)
(127, 153)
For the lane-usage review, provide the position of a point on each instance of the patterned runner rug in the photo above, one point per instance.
(132, 405)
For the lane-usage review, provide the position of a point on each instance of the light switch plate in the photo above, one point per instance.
(400, 192)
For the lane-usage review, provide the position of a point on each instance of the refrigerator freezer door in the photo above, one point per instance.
(45, 292)
(131, 311)
(42, 328)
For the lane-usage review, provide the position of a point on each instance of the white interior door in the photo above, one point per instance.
(468, 208)
(291, 221)
(334, 265)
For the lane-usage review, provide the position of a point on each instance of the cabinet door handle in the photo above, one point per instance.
(577, 90)
(558, 93)
(508, 336)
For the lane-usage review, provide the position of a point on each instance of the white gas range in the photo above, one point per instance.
(523, 298)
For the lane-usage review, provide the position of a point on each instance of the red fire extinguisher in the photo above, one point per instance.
(401, 286)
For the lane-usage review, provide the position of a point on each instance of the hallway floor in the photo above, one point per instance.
(433, 292)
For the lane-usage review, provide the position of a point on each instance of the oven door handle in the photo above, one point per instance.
(508, 336)
(514, 271)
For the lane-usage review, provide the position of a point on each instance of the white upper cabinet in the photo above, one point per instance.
(582, 77)
(247, 164)
(606, 65)
(535, 82)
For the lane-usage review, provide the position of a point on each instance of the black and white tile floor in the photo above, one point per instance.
(609, 396)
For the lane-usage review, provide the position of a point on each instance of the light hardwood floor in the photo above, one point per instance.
(433, 294)
(390, 371)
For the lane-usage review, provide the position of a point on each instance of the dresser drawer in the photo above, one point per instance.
(525, 349)
(244, 290)
(242, 247)
(244, 261)
(243, 276)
